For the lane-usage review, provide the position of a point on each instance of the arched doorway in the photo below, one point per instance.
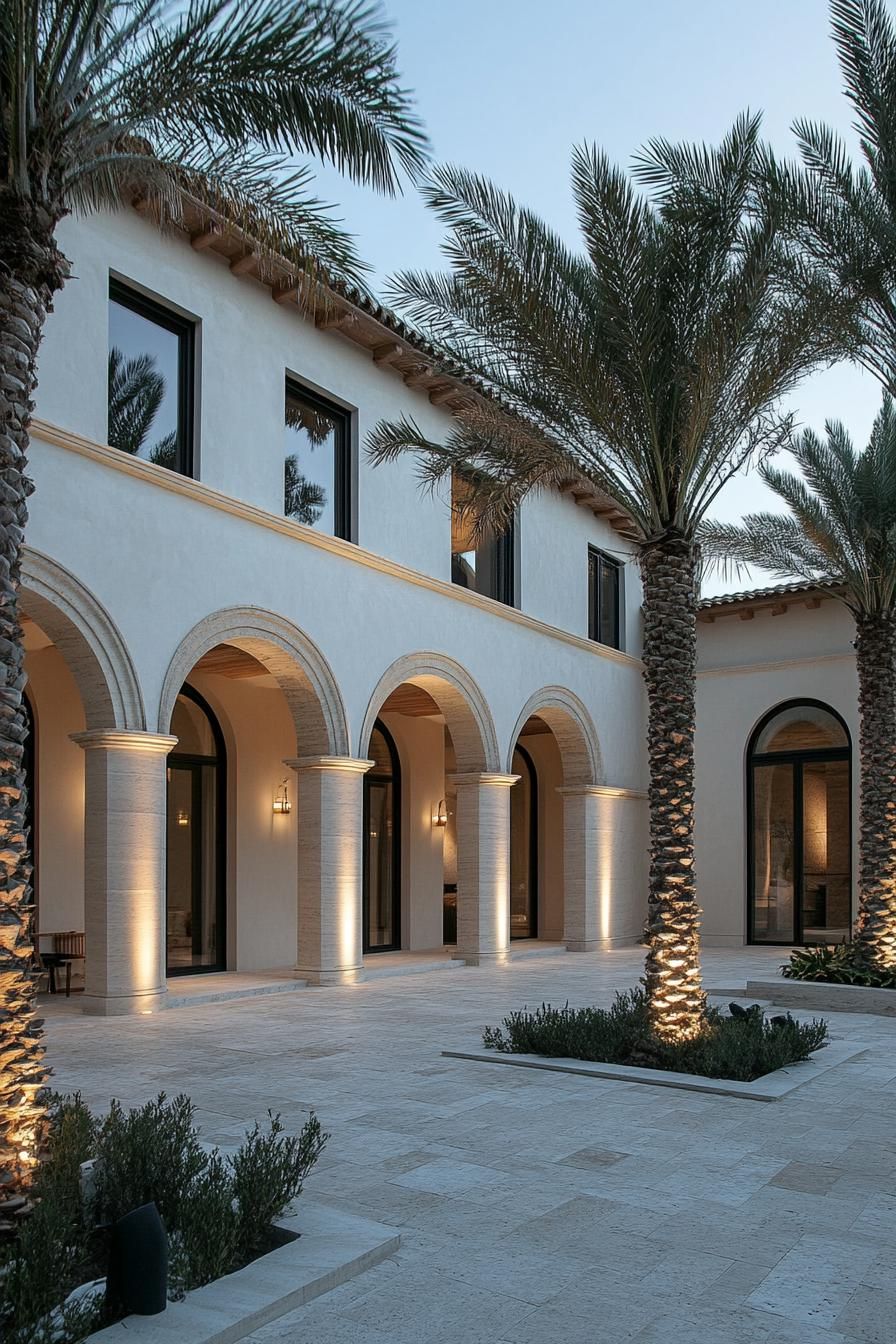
(196, 839)
(799, 826)
(382, 844)
(523, 846)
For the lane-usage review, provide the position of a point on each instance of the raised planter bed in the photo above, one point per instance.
(814, 994)
(771, 1087)
(332, 1247)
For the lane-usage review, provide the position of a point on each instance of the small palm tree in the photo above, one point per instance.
(136, 391)
(651, 366)
(841, 525)
(303, 500)
(106, 99)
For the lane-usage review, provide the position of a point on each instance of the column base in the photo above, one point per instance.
(317, 977)
(501, 958)
(124, 1005)
(600, 944)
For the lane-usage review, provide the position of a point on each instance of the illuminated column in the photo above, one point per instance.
(330, 839)
(585, 922)
(124, 872)
(604, 867)
(482, 816)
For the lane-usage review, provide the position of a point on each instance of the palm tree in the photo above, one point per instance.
(843, 216)
(136, 391)
(651, 366)
(206, 102)
(841, 525)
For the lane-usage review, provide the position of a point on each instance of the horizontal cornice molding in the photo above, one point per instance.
(810, 660)
(160, 477)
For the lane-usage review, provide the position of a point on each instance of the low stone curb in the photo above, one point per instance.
(333, 1248)
(770, 1088)
(814, 994)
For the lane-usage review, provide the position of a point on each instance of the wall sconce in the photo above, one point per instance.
(281, 798)
(440, 816)
(183, 818)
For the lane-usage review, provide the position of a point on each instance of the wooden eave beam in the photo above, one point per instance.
(419, 376)
(338, 321)
(385, 354)
(747, 614)
(779, 609)
(813, 603)
(284, 293)
(247, 264)
(201, 242)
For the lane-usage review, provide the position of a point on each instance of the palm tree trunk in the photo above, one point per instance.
(672, 978)
(876, 661)
(31, 268)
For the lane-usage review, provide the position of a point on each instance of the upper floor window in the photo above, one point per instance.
(604, 598)
(150, 380)
(317, 463)
(484, 564)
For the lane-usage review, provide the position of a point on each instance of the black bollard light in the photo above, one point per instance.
(138, 1262)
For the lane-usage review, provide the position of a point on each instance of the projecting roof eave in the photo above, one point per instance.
(392, 344)
(777, 599)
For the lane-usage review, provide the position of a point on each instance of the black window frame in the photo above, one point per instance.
(796, 758)
(599, 560)
(343, 510)
(501, 560)
(185, 330)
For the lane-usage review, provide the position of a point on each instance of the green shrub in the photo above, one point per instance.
(269, 1171)
(217, 1209)
(837, 964)
(742, 1048)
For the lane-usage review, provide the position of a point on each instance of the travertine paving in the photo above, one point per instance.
(542, 1209)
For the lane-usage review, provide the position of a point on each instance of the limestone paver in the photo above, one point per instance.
(541, 1207)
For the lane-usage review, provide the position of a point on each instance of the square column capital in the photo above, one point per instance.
(332, 764)
(482, 781)
(103, 739)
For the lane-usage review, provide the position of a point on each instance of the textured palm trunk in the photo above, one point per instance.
(876, 660)
(672, 978)
(30, 270)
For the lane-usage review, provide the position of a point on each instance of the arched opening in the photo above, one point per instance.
(799, 885)
(556, 755)
(382, 844)
(196, 848)
(441, 731)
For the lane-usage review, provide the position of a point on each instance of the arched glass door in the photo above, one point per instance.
(800, 878)
(524, 848)
(382, 845)
(196, 899)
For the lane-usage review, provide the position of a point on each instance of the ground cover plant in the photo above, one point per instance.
(742, 1046)
(218, 1209)
(840, 964)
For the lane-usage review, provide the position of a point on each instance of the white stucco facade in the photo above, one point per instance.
(135, 573)
(142, 585)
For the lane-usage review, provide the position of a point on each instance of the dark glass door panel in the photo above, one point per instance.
(380, 914)
(192, 877)
(826, 851)
(523, 861)
(774, 854)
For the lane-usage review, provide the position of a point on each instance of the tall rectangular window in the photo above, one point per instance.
(317, 463)
(151, 361)
(604, 598)
(484, 564)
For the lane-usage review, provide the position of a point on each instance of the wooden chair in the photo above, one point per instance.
(55, 950)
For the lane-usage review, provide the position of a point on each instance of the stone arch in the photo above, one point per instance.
(574, 731)
(457, 695)
(300, 668)
(88, 640)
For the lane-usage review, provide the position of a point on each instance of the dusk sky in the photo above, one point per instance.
(507, 87)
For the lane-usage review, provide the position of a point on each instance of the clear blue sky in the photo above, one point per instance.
(507, 87)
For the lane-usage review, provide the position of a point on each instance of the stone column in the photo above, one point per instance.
(125, 809)
(330, 897)
(483, 866)
(604, 867)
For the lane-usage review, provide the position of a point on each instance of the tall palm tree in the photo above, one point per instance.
(651, 364)
(102, 100)
(841, 524)
(843, 215)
